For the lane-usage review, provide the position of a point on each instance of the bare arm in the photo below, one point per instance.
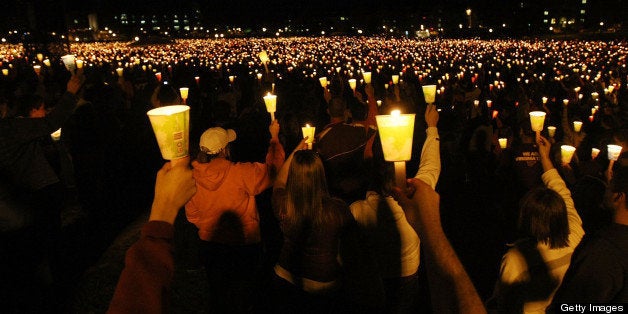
(423, 213)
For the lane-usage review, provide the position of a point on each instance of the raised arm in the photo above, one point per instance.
(149, 265)
(429, 168)
(276, 155)
(552, 180)
(448, 274)
(282, 176)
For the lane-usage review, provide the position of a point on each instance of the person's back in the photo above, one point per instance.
(551, 228)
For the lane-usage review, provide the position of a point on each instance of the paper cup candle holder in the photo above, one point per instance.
(396, 131)
(171, 125)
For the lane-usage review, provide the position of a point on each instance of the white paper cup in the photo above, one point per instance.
(171, 125)
(503, 143)
(613, 152)
(69, 62)
(429, 92)
(537, 118)
(566, 153)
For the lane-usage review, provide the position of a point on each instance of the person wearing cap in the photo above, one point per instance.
(225, 213)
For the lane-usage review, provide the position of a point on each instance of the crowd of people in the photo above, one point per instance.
(493, 217)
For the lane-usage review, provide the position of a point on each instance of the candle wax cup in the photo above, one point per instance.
(566, 153)
(396, 134)
(309, 132)
(429, 92)
(171, 125)
(537, 118)
(271, 103)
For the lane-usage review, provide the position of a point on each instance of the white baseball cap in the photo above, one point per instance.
(216, 139)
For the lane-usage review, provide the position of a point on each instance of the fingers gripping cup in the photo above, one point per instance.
(171, 125)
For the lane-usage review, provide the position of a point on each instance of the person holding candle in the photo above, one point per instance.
(225, 212)
(599, 266)
(145, 281)
(551, 228)
(378, 216)
(36, 185)
(314, 225)
(343, 148)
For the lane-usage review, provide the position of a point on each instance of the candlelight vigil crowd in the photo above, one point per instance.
(314, 175)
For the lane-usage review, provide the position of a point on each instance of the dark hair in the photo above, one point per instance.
(166, 95)
(619, 182)
(337, 107)
(543, 216)
(29, 102)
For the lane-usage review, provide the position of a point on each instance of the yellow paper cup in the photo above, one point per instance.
(171, 125)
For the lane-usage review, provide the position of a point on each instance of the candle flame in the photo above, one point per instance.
(395, 113)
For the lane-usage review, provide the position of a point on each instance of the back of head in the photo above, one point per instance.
(543, 216)
(165, 95)
(619, 182)
(306, 187)
(337, 107)
(27, 103)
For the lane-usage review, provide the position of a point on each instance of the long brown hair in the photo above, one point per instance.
(543, 216)
(306, 189)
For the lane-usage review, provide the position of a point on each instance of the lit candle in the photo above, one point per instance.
(197, 79)
(56, 135)
(537, 118)
(120, 72)
(367, 77)
(595, 96)
(271, 104)
(594, 153)
(259, 76)
(566, 153)
(308, 131)
(263, 56)
(577, 125)
(495, 114)
(429, 92)
(396, 131)
(231, 79)
(566, 102)
(551, 131)
(68, 61)
(79, 64)
(40, 57)
(544, 99)
(184, 93)
(379, 103)
(489, 103)
(613, 152)
(323, 81)
(503, 143)
(37, 69)
(395, 79)
(158, 76)
(352, 84)
(5, 72)
(171, 125)
(476, 103)
(47, 62)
